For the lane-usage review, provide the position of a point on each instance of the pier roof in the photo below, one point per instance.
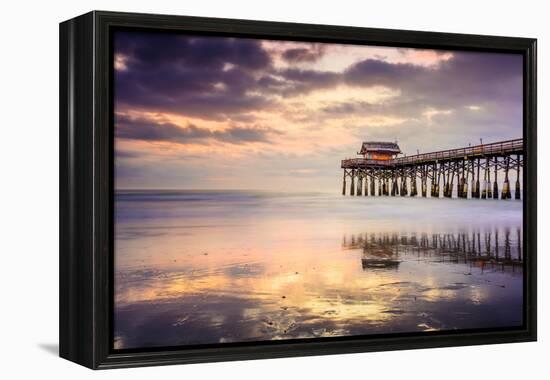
(379, 146)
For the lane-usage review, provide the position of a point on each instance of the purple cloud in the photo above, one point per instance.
(200, 76)
(311, 53)
(154, 131)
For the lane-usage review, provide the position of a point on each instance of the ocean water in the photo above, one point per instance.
(208, 267)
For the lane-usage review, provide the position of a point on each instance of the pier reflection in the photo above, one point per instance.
(499, 250)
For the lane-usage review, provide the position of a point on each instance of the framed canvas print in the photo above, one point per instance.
(237, 189)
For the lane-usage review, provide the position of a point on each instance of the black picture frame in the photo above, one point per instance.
(86, 188)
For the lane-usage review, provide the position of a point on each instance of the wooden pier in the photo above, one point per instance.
(471, 172)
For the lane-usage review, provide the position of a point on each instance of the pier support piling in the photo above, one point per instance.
(438, 171)
(478, 190)
(518, 192)
(394, 187)
(447, 189)
(506, 193)
(489, 191)
(495, 184)
(484, 185)
(465, 188)
(452, 168)
(344, 185)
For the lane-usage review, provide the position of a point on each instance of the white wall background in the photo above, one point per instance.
(29, 187)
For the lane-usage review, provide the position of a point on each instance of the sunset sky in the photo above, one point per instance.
(224, 113)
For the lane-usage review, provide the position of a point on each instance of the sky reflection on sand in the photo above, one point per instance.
(250, 268)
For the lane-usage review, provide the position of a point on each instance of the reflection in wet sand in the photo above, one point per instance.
(477, 249)
(254, 268)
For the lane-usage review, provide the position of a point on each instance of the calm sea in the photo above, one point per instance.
(202, 267)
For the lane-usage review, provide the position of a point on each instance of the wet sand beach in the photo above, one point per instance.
(204, 267)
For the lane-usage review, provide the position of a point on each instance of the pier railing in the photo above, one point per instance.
(501, 147)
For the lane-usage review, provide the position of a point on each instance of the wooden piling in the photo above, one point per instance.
(344, 184)
(518, 193)
(506, 193)
(352, 189)
(489, 186)
(396, 184)
(478, 190)
(495, 185)
(432, 181)
(466, 175)
(438, 170)
(458, 182)
(484, 185)
(445, 172)
(424, 186)
(452, 168)
(446, 181)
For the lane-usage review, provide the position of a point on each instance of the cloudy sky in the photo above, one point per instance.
(224, 113)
